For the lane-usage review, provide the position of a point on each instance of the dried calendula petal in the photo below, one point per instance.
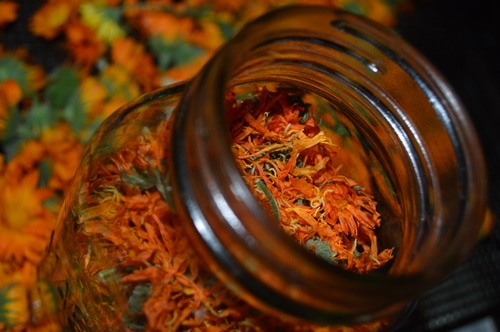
(293, 167)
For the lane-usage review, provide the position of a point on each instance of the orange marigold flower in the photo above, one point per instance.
(126, 52)
(93, 93)
(93, 15)
(11, 92)
(26, 160)
(50, 19)
(25, 223)
(236, 6)
(36, 77)
(10, 95)
(379, 11)
(133, 57)
(112, 105)
(10, 273)
(65, 151)
(157, 23)
(16, 309)
(206, 35)
(8, 12)
(186, 71)
(120, 82)
(84, 45)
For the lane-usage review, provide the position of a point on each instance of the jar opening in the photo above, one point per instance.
(388, 113)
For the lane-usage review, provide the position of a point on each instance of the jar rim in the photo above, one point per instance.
(217, 75)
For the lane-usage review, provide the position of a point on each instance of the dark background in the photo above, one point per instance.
(462, 39)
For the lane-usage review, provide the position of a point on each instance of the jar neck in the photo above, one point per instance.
(413, 122)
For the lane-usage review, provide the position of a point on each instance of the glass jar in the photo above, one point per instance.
(161, 173)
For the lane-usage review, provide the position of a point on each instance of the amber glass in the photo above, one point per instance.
(408, 138)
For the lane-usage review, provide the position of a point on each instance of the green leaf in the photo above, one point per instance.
(10, 138)
(354, 7)
(112, 13)
(228, 30)
(62, 87)
(144, 180)
(322, 249)
(12, 68)
(38, 117)
(198, 12)
(272, 202)
(172, 53)
(63, 96)
(74, 113)
(5, 300)
(139, 295)
(20, 128)
(45, 168)
(134, 319)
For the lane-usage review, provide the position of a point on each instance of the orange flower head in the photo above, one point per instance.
(208, 36)
(25, 161)
(65, 152)
(127, 53)
(186, 71)
(25, 223)
(8, 12)
(10, 92)
(93, 94)
(10, 95)
(49, 21)
(157, 23)
(36, 77)
(93, 15)
(84, 45)
(379, 11)
(120, 82)
(136, 61)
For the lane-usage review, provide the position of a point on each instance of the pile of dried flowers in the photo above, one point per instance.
(116, 50)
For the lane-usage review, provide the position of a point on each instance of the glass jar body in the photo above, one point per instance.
(161, 173)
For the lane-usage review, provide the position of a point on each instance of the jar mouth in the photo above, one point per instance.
(424, 143)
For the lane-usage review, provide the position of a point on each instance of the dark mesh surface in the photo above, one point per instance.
(471, 292)
(47, 53)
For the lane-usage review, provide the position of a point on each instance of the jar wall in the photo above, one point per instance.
(123, 175)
